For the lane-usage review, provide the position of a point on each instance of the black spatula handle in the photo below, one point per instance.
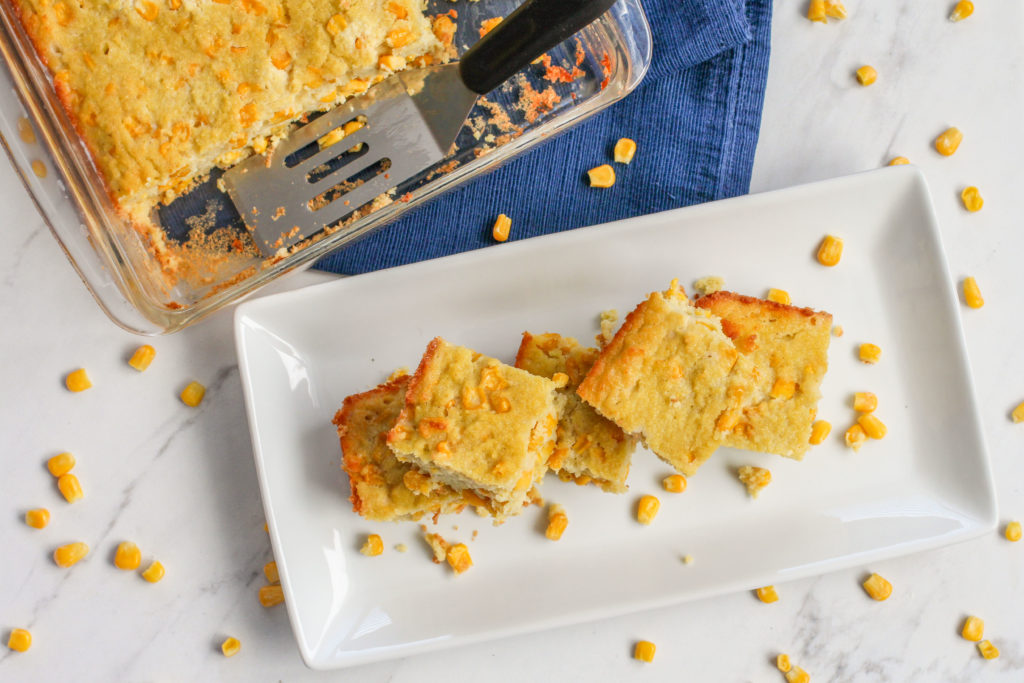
(530, 31)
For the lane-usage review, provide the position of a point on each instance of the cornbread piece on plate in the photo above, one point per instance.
(383, 488)
(789, 349)
(477, 425)
(672, 376)
(588, 447)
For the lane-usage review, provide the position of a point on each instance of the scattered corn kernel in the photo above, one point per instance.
(870, 353)
(972, 199)
(972, 293)
(837, 330)
(816, 11)
(688, 559)
(625, 149)
(69, 554)
(962, 10)
(60, 464)
(127, 556)
(20, 640)
(193, 394)
(974, 629)
(779, 296)
(754, 478)
(834, 9)
(1018, 413)
(1013, 531)
(557, 521)
(830, 251)
(70, 487)
(866, 75)
(373, 546)
(602, 176)
(154, 572)
(501, 228)
(855, 437)
(37, 518)
(25, 131)
(647, 509)
(458, 558)
(674, 483)
(39, 168)
(872, 426)
(78, 380)
(230, 647)
(142, 357)
(644, 651)
(820, 432)
(865, 402)
(767, 594)
(988, 650)
(947, 143)
(270, 570)
(797, 675)
(899, 161)
(783, 663)
(271, 595)
(877, 587)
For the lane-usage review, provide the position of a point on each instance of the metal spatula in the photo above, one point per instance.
(409, 122)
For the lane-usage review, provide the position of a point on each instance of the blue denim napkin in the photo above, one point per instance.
(695, 119)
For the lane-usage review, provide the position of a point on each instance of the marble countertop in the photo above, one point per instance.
(181, 482)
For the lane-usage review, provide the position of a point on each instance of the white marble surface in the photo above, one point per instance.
(181, 482)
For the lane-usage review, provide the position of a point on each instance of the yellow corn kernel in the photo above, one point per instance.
(644, 651)
(877, 587)
(560, 379)
(767, 594)
(962, 10)
(865, 402)
(20, 640)
(866, 75)
(947, 143)
(557, 522)
(797, 675)
(127, 556)
(838, 330)
(783, 663)
(1018, 413)
(754, 478)
(624, 151)
(783, 388)
(602, 176)
(830, 251)
(147, 10)
(855, 437)
(502, 227)
(647, 509)
(974, 629)
(70, 488)
(458, 558)
(336, 24)
(674, 483)
(899, 161)
(835, 9)
(816, 11)
(154, 572)
(271, 595)
(1013, 532)
(820, 431)
(870, 353)
(39, 168)
(270, 571)
(972, 293)
(230, 647)
(69, 554)
(37, 518)
(972, 199)
(60, 464)
(399, 37)
(391, 62)
(77, 381)
(872, 426)
(142, 357)
(988, 650)
(779, 296)
(25, 130)
(373, 546)
(192, 394)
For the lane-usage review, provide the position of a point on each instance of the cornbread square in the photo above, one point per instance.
(789, 350)
(383, 488)
(671, 376)
(588, 447)
(477, 425)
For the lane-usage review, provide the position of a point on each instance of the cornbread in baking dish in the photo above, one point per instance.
(789, 349)
(588, 447)
(477, 425)
(673, 377)
(383, 488)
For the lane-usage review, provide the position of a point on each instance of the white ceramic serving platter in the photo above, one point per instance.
(925, 485)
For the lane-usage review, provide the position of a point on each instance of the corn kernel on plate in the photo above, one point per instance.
(926, 484)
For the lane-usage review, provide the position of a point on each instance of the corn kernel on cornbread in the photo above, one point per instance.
(383, 488)
(789, 350)
(587, 446)
(477, 425)
(672, 376)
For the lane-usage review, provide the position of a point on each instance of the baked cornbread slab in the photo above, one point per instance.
(588, 447)
(383, 488)
(673, 377)
(789, 349)
(477, 425)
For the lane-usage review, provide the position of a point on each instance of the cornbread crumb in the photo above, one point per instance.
(399, 372)
(609, 319)
(837, 330)
(373, 546)
(688, 559)
(438, 545)
(401, 547)
(709, 285)
(754, 478)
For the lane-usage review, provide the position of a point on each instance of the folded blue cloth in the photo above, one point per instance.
(695, 119)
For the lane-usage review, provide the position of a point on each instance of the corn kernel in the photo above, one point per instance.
(458, 558)
(39, 168)
(193, 394)
(1013, 532)
(674, 483)
(644, 651)
(270, 571)
(767, 594)
(835, 9)
(870, 353)
(754, 478)
(560, 379)
(25, 130)
(797, 675)
(820, 431)
(154, 572)
(865, 402)
(866, 75)
(557, 522)
(602, 176)
(830, 251)
(78, 380)
(872, 426)
(1018, 413)
(779, 296)
(70, 488)
(37, 518)
(783, 388)
(20, 640)
(373, 546)
(60, 464)
(974, 629)
(972, 199)
(783, 663)
(127, 556)
(899, 161)
(855, 437)
(69, 554)
(972, 293)
(230, 647)
(816, 11)
(142, 357)
(877, 587)
(838, 330)
(271, 595)
(962, 10)
(624, 151)
(988, 650)
(502, 227)
(947, 143)
(647, 509)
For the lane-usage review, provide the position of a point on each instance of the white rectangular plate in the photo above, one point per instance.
(926, 484)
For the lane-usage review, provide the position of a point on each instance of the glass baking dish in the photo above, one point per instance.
(113, 258)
